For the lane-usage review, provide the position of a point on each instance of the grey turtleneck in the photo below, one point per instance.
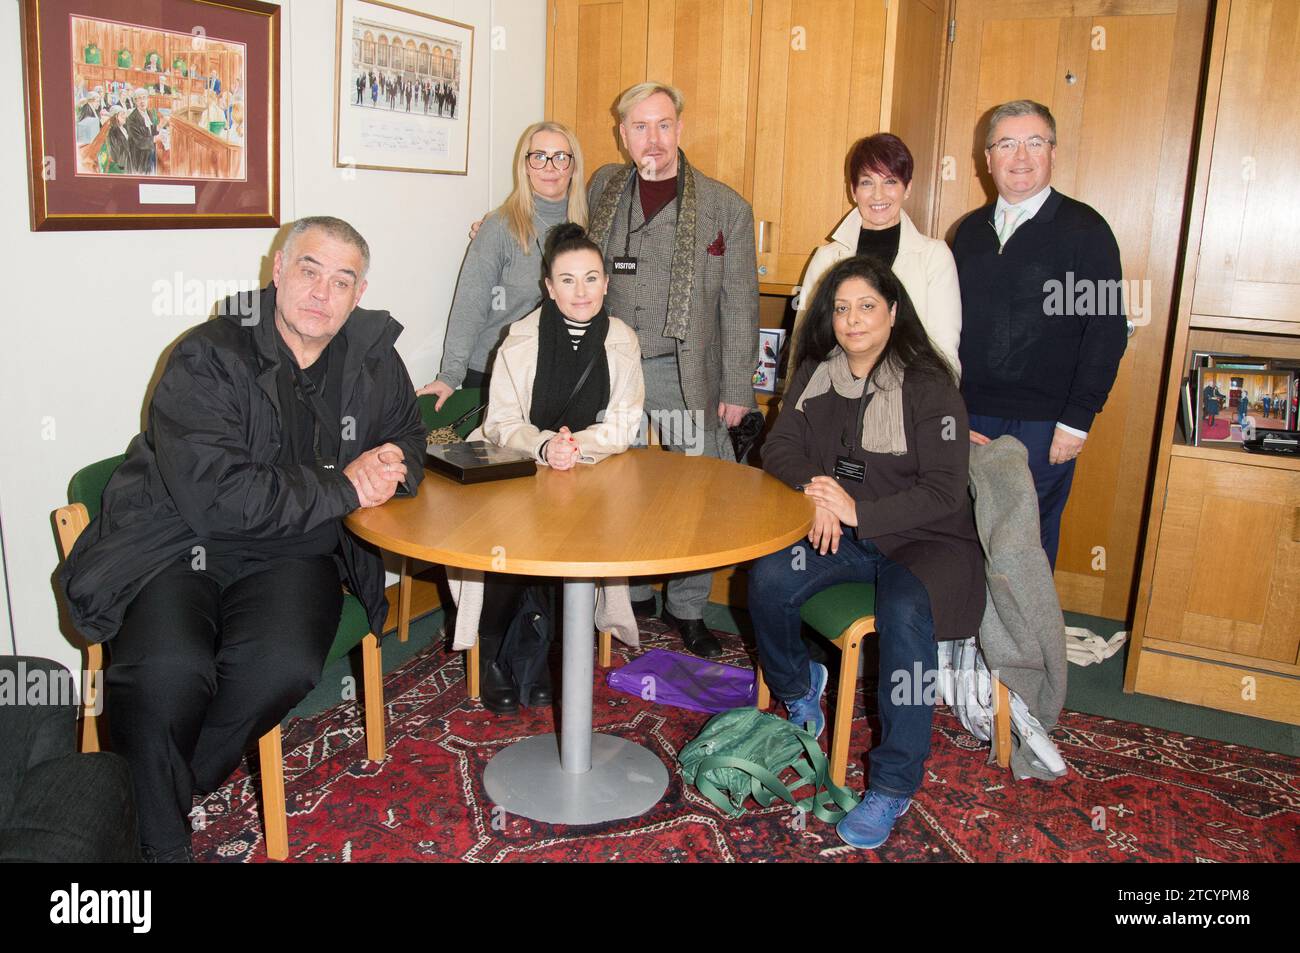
(500, 282)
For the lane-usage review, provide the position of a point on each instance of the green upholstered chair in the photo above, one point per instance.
(459, 404)
(85, 494)
(845, 614)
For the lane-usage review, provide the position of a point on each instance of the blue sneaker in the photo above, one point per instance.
(808, 708)
(869, 824)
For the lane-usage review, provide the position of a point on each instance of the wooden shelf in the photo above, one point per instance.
(1215, 655)
(1252, 325)
(1274, 460)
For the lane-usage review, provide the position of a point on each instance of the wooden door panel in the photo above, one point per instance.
(915, 94)
(1228, 560)
(1011, 60)
(1100, 169)
(597, 49)
(704, 48)
(819, 90)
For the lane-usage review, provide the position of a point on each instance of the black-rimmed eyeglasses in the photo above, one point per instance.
(538, 160)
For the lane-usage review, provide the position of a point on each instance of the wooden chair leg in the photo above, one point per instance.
(1001, 724)
(404, 601)
(764, 696)
(471, 670)
(90, 701)
(275, 824)
(604, 649)
(846, 694)
(372, 668)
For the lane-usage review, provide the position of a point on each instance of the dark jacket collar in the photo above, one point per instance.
(363, 331)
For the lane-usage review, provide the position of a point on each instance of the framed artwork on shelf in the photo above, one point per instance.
(402, 89)
(155, 115)
(770, 341)
(1233, 405)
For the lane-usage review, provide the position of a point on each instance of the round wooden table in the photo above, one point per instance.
(640, 513)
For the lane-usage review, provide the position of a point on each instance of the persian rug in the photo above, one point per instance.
(1133, 793)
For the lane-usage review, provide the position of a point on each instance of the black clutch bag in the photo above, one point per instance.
(477, 461)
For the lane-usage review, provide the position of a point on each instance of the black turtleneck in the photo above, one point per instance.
(880, 243)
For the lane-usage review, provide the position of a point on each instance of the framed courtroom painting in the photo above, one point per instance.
(402, 89)
(152, 115)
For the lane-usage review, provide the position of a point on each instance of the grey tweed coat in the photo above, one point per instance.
(717, 359)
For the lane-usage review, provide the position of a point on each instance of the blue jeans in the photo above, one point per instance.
(1051, 480)
(778, 588)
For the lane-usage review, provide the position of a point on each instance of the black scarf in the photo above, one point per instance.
(558, 368)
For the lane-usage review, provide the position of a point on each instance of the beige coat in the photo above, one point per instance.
(510, 394)
(925, 267)
(507, 425)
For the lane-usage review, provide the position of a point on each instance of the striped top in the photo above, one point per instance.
(576, 330)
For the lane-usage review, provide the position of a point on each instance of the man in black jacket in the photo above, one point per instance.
(215, 564)
(1043, 327)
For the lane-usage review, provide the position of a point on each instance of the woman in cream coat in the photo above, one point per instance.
(566, 388)
(879, 178)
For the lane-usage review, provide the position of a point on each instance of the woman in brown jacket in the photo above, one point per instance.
(873, 430)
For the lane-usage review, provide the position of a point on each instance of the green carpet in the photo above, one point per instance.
(1094, 689)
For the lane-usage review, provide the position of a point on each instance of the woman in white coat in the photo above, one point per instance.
(878, 174)
(567, 388)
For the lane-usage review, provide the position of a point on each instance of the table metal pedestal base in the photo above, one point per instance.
(526, 779)
(579, 777)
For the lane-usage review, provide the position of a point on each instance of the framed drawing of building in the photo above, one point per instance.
(402, 89)
(159, 115)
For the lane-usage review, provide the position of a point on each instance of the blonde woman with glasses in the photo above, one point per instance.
(501, 280)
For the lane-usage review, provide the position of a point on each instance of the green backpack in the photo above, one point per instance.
(742, 752)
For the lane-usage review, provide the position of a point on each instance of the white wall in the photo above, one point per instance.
(81, 339)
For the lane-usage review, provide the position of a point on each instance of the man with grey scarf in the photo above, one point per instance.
(679, 249)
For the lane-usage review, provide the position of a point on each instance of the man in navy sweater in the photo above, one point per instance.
(1043, 326)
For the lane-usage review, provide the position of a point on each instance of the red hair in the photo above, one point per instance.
(884, 154)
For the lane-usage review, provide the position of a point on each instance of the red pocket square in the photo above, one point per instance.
(718, 246)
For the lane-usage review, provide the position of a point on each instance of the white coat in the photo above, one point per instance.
(924, 266)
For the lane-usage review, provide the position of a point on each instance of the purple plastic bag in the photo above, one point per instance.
(684, 681)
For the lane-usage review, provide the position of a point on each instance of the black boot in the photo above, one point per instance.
(542, 694)
(497, 690)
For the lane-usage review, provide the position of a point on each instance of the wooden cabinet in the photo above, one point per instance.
(1228, 576)
(776, 92)
(708, 49)
(1217, 621)
(819, 84)
(1250, 242)
(596, 49)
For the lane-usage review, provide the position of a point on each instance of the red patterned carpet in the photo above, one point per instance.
(1133, 794)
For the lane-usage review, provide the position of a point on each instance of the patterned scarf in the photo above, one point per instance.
(882, 422)
(682, 275)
